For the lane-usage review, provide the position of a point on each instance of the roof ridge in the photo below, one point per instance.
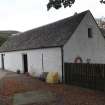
(84, 12)
(51, 35)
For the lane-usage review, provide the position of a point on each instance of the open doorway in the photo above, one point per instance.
(2, 61)
(25, 63)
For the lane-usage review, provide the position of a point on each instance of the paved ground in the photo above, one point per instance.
(34, 97)
(12, 85)
(2, 74)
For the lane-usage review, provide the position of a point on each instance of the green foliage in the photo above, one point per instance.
(59, 3)
(7, 33)
(4, 35)
(62, 3)
(102, 1)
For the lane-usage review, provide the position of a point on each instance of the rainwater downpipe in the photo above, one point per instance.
(42, 63)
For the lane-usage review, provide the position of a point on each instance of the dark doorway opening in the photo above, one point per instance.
(25, 63)
(2, 61)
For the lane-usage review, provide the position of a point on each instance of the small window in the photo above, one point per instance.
(89, 32)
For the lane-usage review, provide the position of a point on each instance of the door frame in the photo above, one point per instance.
(2, 61)
(25, 63)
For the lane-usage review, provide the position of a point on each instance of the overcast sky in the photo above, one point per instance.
(22, 15)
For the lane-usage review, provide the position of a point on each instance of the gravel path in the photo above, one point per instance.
(2, 74)
(66, 95)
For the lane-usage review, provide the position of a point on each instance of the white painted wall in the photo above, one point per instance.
(51, 58)
(13, 61)
(80, 45)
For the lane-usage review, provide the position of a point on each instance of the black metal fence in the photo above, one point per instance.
(85, 75)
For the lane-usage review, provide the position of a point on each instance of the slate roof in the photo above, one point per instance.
(51, 35)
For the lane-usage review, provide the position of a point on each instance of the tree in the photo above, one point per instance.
(102, 1)
(101, 23)
(62, 3)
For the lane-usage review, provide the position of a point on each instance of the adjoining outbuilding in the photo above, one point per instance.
(48, 48)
